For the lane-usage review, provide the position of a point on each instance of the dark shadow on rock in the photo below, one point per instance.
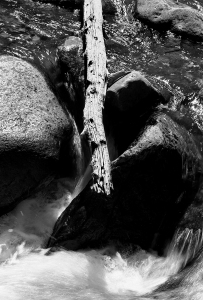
(70, 54)
(155, 181)
(37, 131)
(130, 100)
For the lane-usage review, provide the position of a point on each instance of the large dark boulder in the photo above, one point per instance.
(155, 181)
(130, 99)
(38, 137)
(171, 15)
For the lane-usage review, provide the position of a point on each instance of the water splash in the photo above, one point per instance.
(27, 272)
(32, 221)
(88, 275)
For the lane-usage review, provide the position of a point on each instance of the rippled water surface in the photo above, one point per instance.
(167, 56)
(33, 30)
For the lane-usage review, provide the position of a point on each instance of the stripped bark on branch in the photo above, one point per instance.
(96, 84)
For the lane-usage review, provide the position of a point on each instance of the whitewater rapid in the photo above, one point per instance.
(27, 272)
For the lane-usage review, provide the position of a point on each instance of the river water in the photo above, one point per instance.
(33, 31)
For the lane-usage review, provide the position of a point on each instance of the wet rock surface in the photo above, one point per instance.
(155, 181)
(36, 132)
(128, 115)
(130, 100)
(170, 15)
(70, 54)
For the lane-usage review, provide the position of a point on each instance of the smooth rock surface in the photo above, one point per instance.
(155, 181)
(38, 137)
(130, 100)
(171, 15)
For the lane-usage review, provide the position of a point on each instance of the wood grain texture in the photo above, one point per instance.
(96, 84)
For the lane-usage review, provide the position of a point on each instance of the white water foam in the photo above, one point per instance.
(72, 275)
(27, 273)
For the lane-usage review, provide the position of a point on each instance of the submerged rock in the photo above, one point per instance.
(171, 15)
(38, 137)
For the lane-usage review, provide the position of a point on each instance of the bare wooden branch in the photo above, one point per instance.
(96, 84)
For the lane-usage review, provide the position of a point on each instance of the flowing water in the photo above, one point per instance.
(166, 56)
(32, 31)
(27, 272)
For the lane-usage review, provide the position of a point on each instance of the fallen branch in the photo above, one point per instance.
(96, 84)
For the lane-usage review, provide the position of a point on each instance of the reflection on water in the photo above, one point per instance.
(31, 23)
(32, 30)
(194, 3)
(166, 55)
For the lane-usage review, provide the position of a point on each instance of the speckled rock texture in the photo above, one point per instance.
(171, 15)
(38, 137)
